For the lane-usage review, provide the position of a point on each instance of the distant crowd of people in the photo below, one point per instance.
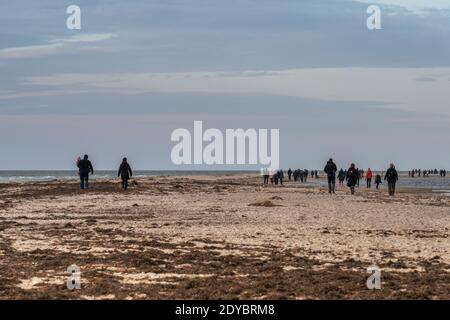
(426, 173)
(352, 176)
(277, 176)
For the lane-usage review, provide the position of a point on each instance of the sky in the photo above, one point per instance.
(137, 70)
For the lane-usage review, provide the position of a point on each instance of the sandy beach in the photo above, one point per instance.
(221, 237)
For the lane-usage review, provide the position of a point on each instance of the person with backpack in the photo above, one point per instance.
(352, 178)
(369, 178)
(330, 169)
(84, 167)
(125, 173)
(391, 177)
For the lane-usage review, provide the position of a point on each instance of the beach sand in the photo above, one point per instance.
(221, 237)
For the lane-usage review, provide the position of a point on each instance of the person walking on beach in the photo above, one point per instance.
(125, 173)
(358, 176)
(391, 177)
(289, 173)
(377, 180)
(330, 169)
(84, 168)
(352, 178)
(369, 178)
(265, 173)
(281, 176)
(341, 177)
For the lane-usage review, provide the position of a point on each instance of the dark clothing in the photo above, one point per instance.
(84, 181)
(377, 180)
(125, 173)
(330, 169)
(341, 176)
(391, 188)
(352, 179)
(391, 177)
(84, 167)
(331, 184)
(369, 182)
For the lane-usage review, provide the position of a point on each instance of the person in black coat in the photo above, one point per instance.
(125, 173)
(84, 167)
(330, 169)
(352, 178)
(391, 177)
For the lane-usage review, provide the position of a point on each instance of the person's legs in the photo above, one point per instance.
(352, 189)
(81, 182)
(86, 182)
(329, 183)
(333, 184)
(393, 188)
(125, 184)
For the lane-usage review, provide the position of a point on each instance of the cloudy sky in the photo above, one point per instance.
(137, 70)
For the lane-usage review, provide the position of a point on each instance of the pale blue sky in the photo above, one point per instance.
(139, 69)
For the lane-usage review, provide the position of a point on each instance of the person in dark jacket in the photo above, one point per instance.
(391, 177)
(352, 178)
(378, 180)
(289, 173)
(84, 168)
(341, 177)
(281, 176)
(330, 169)
(125, 173)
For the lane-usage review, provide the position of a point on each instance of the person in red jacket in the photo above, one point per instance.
(369, 178)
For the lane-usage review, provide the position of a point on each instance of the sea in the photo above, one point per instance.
(433, 182)
(43, 175)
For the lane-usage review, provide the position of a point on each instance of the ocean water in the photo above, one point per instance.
(435, 183)
(42, 175)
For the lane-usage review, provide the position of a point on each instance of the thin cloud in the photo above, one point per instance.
(30, 51)
(93, 37)
(342, 84)
(55, 46)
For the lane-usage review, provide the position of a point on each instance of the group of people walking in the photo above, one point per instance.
(353, 175)
(85, 168)
(275, 177)
(426, 173)
(302, 174)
